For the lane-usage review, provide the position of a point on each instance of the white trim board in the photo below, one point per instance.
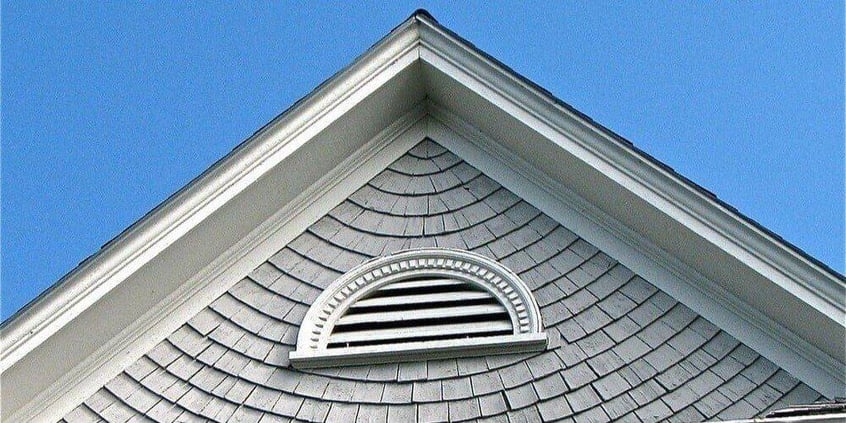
(753, 328)
(593, 145)
(225, 271)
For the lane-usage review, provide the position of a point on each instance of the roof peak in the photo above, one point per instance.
(422, 13)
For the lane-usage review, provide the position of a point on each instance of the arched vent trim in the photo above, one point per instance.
(419, 304)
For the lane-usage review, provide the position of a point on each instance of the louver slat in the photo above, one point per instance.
(422, 298)
(420, 332)
(443, 312)
(421, 284)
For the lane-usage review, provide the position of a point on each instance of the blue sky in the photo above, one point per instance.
(107, 109)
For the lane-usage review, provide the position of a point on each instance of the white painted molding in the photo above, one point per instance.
(713, 302)
(338, 297)
(220, 275)
(597, 147)
(429, 350)
(148, 237)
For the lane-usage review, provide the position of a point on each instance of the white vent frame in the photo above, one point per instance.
(335, 300)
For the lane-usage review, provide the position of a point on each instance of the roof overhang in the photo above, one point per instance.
(420, 81)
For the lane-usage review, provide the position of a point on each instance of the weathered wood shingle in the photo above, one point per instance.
(626, 349)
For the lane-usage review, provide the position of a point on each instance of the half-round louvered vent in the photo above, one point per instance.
(419, 304)
(422, 309)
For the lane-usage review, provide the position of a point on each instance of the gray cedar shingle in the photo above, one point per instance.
(244, 414)
(739, 410)
(341, 412)
(485, 383)
(410, 371)
(727, 368)
(492, 404)
(339, 390)
(402, 413)
(595, 414)
(712, 404)
(582, 398)
(368, 392)
(81, 414)
(312, 386)
(471, 365)
(543, 364)
(619, 406)
(646, 392)
(550, 386)
(611, 385)
(521, 396)
(578, 375)
(426, 391)
(313, 410)
(654, 411)
(465, 409)
(555, 408)
(605, 362)
(247, 333)
(570, 354)
(631, 349)
(372, 413)
(397, 393)
(261, 398)
(737, 387)
(524, 415)
(680, 398)
(164, 412)
(689, 414)
(288, 405)
(801, 394)
(142, 400)
(273, 418)
(117, 412)
(439, 369)
(457, 388)
(237, 393)
(432, 412)
(195, 399)
(674, 377)
(595, 343)
(782, 381)
(382, 372)
(760, 370)
(515, 375)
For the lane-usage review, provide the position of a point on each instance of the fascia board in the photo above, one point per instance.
(145, 239)
(706, 298)
(819, 287)
(52, 402)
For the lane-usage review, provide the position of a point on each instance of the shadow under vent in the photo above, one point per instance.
(418, 305)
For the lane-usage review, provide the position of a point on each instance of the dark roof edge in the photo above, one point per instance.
(633, 148)
(218, 163)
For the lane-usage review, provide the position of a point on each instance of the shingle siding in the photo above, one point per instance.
(621, 348)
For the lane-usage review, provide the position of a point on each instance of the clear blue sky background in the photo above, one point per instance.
(109, 108)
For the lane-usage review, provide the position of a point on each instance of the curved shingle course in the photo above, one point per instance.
(620, 349)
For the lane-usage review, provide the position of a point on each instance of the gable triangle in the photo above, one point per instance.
(621, 348)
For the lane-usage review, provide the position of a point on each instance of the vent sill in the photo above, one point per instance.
(418, 351)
